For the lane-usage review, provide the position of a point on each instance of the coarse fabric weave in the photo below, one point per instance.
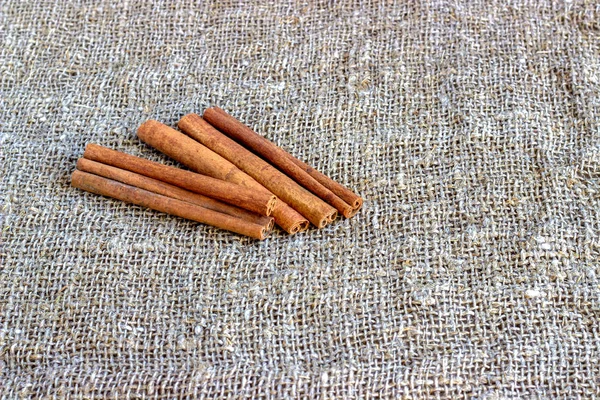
(471, 128)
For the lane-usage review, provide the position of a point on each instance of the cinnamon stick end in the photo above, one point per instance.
(90, 151)
(146, 127)
(270, 225)
(332, 217)
(79, 181)
(351, 213)
(266, 230)
(327, 219)
(215, 109)
(348, 211)
(76, 178)
(358, 203)
(271, 205)
(188, 118)
(353, 209)
(299, 227)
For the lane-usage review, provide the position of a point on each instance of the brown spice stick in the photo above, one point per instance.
(316, 210)
(259, 202)
(131, 194)
(340, 190)
(186, 150)
(165, 189)
(275, 154)
(289, 219)
(197, 157)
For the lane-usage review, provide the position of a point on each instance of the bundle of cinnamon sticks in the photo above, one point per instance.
(241, 182)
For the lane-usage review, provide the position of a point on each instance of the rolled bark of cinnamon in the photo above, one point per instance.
(259, 202)
(165, 189)
(316, 210)
(275, 154)
(187, 151)
(289, 219)
(340, 190)
(131, 194)
(199, 158)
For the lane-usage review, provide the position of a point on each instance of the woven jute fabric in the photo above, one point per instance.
(471, 128)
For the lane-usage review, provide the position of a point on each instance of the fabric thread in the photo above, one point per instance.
(471, 129)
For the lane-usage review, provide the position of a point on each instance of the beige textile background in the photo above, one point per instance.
(471, 128)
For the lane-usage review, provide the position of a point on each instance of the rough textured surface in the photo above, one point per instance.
(471, 128)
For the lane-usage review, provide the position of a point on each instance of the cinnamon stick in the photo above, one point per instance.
(165, 189)
(275, 154)
(340, 190)
(316, 210)
(131, 194)
(259, 202)
(186, 150)
(199, 158)
(289, 219)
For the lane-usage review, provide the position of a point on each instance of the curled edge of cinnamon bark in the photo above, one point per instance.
(318, 212)
(280, 158)
(259, 202)
(165, 189)
(199, 158)
(289, 219)
(131, 194)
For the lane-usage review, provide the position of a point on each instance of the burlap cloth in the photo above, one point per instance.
(471, 129)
